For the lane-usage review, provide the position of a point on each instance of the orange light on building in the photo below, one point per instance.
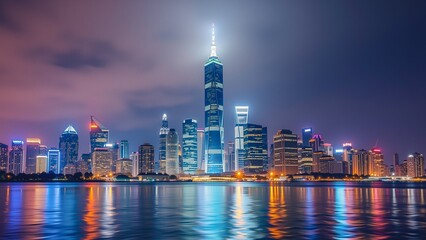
(93, 126)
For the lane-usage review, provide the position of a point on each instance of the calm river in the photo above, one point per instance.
(213, 210)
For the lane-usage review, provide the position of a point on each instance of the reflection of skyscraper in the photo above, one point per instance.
(146, 158)
(124, 149)
(189, 146)
(164, 130)
(213, 107)
(16, 157)
(200, 149)
(68, 145)
(172, 153)
(306, 136)
(32, 150)
(4, 151)
(241, 119)
(53, 160)
(99, 135)
(285, 153)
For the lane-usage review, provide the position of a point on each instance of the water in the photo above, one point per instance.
(212, 210)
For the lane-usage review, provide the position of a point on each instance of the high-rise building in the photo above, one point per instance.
(285, 153)
(241, 119)
(213, 110)
(230, 157)
(164, 130)
(134, 156)
(32, 151)
(189, 146)
(82, 166)
(16, 157)
(416, 165)
(102, 162)
(328, 149)
(4, 152)
(361, 163)
(316, 143)
(124, 149)
(306, 161)
(53, 160)
(265, 148)
(254, 151)
(99, 134)
(306, 136)
(146, 158)
(114, 148)
(68, 145)
(124, 166)
(377, 163)
(172, 152)
(200, 149)
(41, 164)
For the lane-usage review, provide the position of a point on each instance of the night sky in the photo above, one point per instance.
(353, 70)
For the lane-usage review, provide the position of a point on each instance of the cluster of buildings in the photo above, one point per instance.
(197, 150)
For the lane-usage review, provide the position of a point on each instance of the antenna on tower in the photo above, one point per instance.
(213, 46)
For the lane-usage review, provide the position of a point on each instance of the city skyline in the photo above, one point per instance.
(384, 113)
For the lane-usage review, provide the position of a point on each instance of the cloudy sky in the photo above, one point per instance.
(353, 70)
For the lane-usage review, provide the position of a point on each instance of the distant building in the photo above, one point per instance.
(69, 169)
(134, 156)
(53, 160)
(99, 134)
(200, 149)
(254, 150)
(164, 130)
(361, 163)
(87, 157)
(189, 146)
(124, 166)
(241, 119)
(285, 153)
(41, 164)
(230, 157)
(4, 158)
(306, 136)
(265, 148)
(172, 153)
(32, 151)
(146, 158)
(416, 165)
(114, 148)
(316, 143)
(82, 166)
(377, 163)
(102, 162)
(306, 161)
(124, 149)
(16, 157)
(328, 149)
(68, 145)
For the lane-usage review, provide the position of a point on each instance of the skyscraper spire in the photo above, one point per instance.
(213, 47)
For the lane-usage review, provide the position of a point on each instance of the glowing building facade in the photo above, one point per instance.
(241, 119)
(164, 130)
(189, 146)
(68, 145)
(16, 157)
(172, 152)
(32, 151)
(99, 134)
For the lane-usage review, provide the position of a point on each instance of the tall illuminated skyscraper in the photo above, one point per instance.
(254, 150)
(102, 162)
(53, 160)
(16, 157)
(213, 110)
(146, 158)
(285, 153)
(99, 135)
(241, 119)
(68, 145)
(32, 151)
(306, 136)
(4, 152)
(164, 130)
(189, 146)
(172, 153)
(124, 149)
(200, 149)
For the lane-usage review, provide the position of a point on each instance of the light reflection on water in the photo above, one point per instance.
(212, 210)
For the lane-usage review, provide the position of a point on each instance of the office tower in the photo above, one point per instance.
(4, 152)
(43, 150)
(172, 152)
(346, 157)
(328, 149)
(180, 158)
(241, 119)
(213, 110)
(361, 162)
(271, 158)
(316, 143)
(396, 159)
(416, 165)
(134, 156)
(230, 157)
(99, 134)
(200, 149)
(41, 164)
(87, 157)
(265, 148)
(189, 146)
(285, 153)
(68, 145)
(69, 169)
(124, 149)
(164, 130)
(306, 137)
(53, 160)
(254, 150)
(114, 148)
(82, 166)
(124, 166)
(16, 157)
(102, 162)
(146, 158)
(32, 151)
(306, 160)
(396, 166)
(376, 163)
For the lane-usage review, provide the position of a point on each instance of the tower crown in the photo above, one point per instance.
(213, 46)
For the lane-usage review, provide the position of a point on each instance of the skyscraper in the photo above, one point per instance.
(53, 160)
(41, 164)
(172, 153)
(134, 156)
(230, 157)
(241, 119)
(68, 145)
(114, 148)
(200, 149)
(285, 153)
(146, 158)
(164, 130)
(213, 109)
(4, 152)
(189, 146)
(124, 149)
(16, 157)
(416, 165)
(254, 151)
(306, 136)
(32, 150)
(99, 134)
(102, 162)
